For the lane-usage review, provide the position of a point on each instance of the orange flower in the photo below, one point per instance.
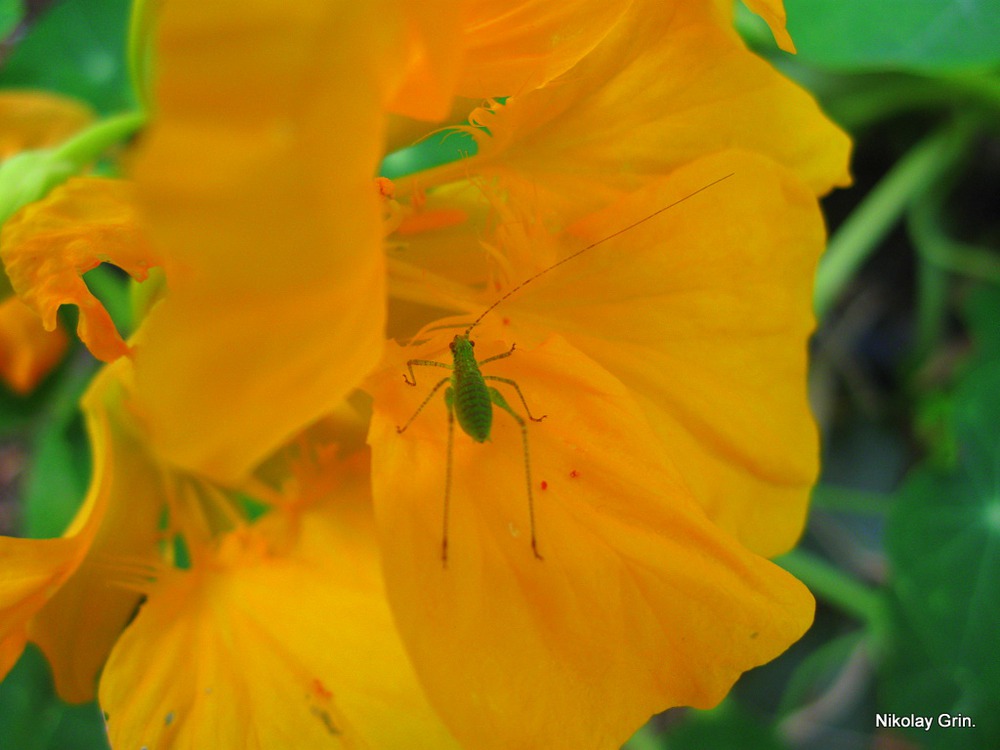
(677, 449)
(670, 361)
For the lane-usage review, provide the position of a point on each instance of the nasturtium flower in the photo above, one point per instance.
(673, 358)
(671, 366)
(550, 158)
(676, 454)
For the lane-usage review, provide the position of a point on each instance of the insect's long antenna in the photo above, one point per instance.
(591, 247)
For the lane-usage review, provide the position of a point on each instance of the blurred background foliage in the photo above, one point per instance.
(903, 544)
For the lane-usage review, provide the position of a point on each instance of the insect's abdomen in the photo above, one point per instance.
(473, 408)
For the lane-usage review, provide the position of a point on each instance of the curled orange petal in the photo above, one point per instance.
(48, 246)
(773, 13)
(27, 351)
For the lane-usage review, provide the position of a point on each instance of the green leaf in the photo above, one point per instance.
(917, 35)
(58, 472)
(57, 479)
(76, 48)
(982, 311)
(33, 718)
(914, 682)
(943, 542)
(11, 12)
(727, 726)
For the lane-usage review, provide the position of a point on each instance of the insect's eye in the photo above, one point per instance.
(472, 344)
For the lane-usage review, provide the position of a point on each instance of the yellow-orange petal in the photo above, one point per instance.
(640, 602)
(27, 351)
(513, 48)
(79, 624)
(33, 119)
(431, 58)
(773, 13)
(48, 245)
(281, 645)
(663, 88)
(33, 570)
(494, 48)
(11, 648)
(276, 298)
(704, 312)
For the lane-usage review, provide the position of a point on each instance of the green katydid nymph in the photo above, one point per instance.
(470, 400)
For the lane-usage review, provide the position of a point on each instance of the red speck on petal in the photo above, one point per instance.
(574, 474)
(506, 321)
(319, 689)
(545, 485)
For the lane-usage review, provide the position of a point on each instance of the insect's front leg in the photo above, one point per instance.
(499, 356)
(423, 403)
(412, 380)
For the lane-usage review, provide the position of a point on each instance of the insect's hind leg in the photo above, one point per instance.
(497, 398)
(435, 389)
(449, 399)
(520, 395)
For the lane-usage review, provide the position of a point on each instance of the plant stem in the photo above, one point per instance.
(139, 31)
(835, 587)
(89, 144)
(864, 229)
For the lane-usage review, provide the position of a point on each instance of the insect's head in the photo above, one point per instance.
(461, 343)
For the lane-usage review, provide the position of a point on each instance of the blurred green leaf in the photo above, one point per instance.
(76, 48)
(33, 718)
(982, 314)
(11, 12)
(915, 682)
(58, 471)
(57, 479)
(918, 35)
(943, 542)
(727, 726)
